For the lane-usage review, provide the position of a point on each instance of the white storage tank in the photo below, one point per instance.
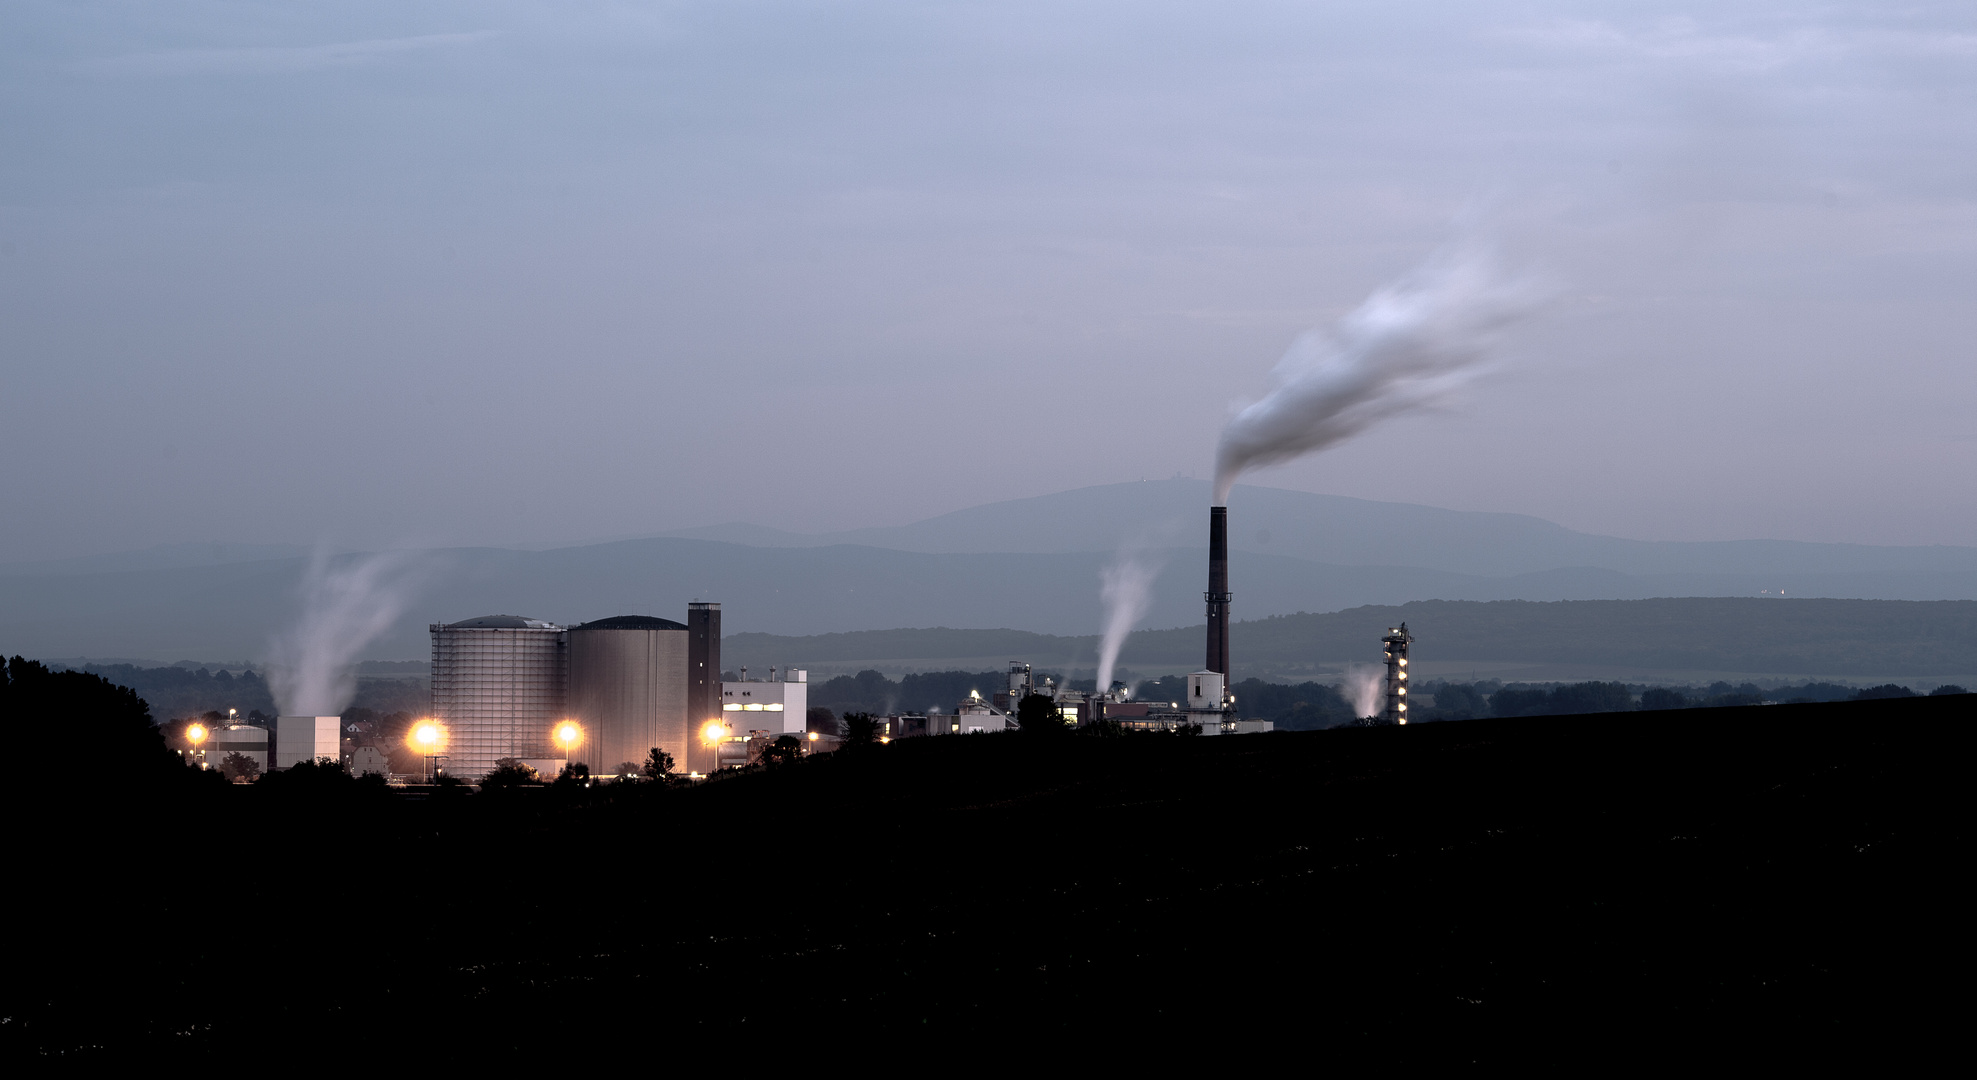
(498, 685)
(628, 690)
(247, 740)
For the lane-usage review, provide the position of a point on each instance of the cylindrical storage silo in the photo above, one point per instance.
(498, 685)
(628, 689)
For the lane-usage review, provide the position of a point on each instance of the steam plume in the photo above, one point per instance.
(345, 607)
(1362, 684)
(1403, 348)
(1126, 592)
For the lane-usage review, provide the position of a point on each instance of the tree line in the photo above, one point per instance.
(1489, 697)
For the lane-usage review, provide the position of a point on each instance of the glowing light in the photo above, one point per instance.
(753, 706)
(196, 733)
(731, 706)
(714, 732)
(568, 734)
(774, 706)
(1403, 661)
(813, 736)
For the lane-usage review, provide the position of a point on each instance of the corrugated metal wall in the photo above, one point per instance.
(498, 690)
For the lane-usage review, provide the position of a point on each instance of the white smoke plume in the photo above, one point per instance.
(346, 604)
(1125, 589)
(1404, 347)
(1362, 685)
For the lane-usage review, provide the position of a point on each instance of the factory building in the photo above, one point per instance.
(498, 684)
(754, 712)
(628, 689)
(305, 738)
(771, 707)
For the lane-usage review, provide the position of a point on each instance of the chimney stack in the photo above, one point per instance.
(1218, 595)
(703, 682)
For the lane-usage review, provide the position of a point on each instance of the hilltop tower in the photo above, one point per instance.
(1396, 643)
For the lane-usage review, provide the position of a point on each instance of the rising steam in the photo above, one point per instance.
(1126, 591)
(346, 605)
(1403, 348)
(1362, 684)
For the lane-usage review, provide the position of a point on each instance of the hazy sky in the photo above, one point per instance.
(496, 273)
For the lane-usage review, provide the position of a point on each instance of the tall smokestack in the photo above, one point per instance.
(1218, 590)
(703, 683)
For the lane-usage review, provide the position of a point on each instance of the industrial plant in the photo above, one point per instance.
(511, 689)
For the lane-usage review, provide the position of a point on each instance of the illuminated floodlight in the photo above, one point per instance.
(813, 736)
(714, 732)
(428, 736)
(196, 733)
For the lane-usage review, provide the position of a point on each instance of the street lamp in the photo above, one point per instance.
(427, 738)
(196, 735)
(713, 733)
(568, 735)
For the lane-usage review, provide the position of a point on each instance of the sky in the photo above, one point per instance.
(377, 274)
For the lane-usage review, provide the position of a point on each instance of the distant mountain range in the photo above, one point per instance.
(1689, 638)
(1029, 564)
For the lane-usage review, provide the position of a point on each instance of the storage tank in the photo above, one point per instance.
(247, 740)
(498, 684)
(628, 689)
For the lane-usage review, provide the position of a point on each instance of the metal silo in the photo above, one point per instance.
(628, 688)
(498, 684)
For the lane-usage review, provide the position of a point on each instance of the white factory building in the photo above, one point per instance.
(767, 707)
(753, 710)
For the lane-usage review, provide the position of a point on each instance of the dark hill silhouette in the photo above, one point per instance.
(1763, 883)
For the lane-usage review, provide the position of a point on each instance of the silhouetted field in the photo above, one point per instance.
(1748, 885)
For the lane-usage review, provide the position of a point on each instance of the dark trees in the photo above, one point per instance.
(322, 775)
(509, 774)
(786, 750)
(820, 720)
(1306, 706)
(239, 768)
(1457, 701)
(1661, 697)
(1038, 715)
(859, 730)
(658, 765)
(1576, 698)
(110, 725)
